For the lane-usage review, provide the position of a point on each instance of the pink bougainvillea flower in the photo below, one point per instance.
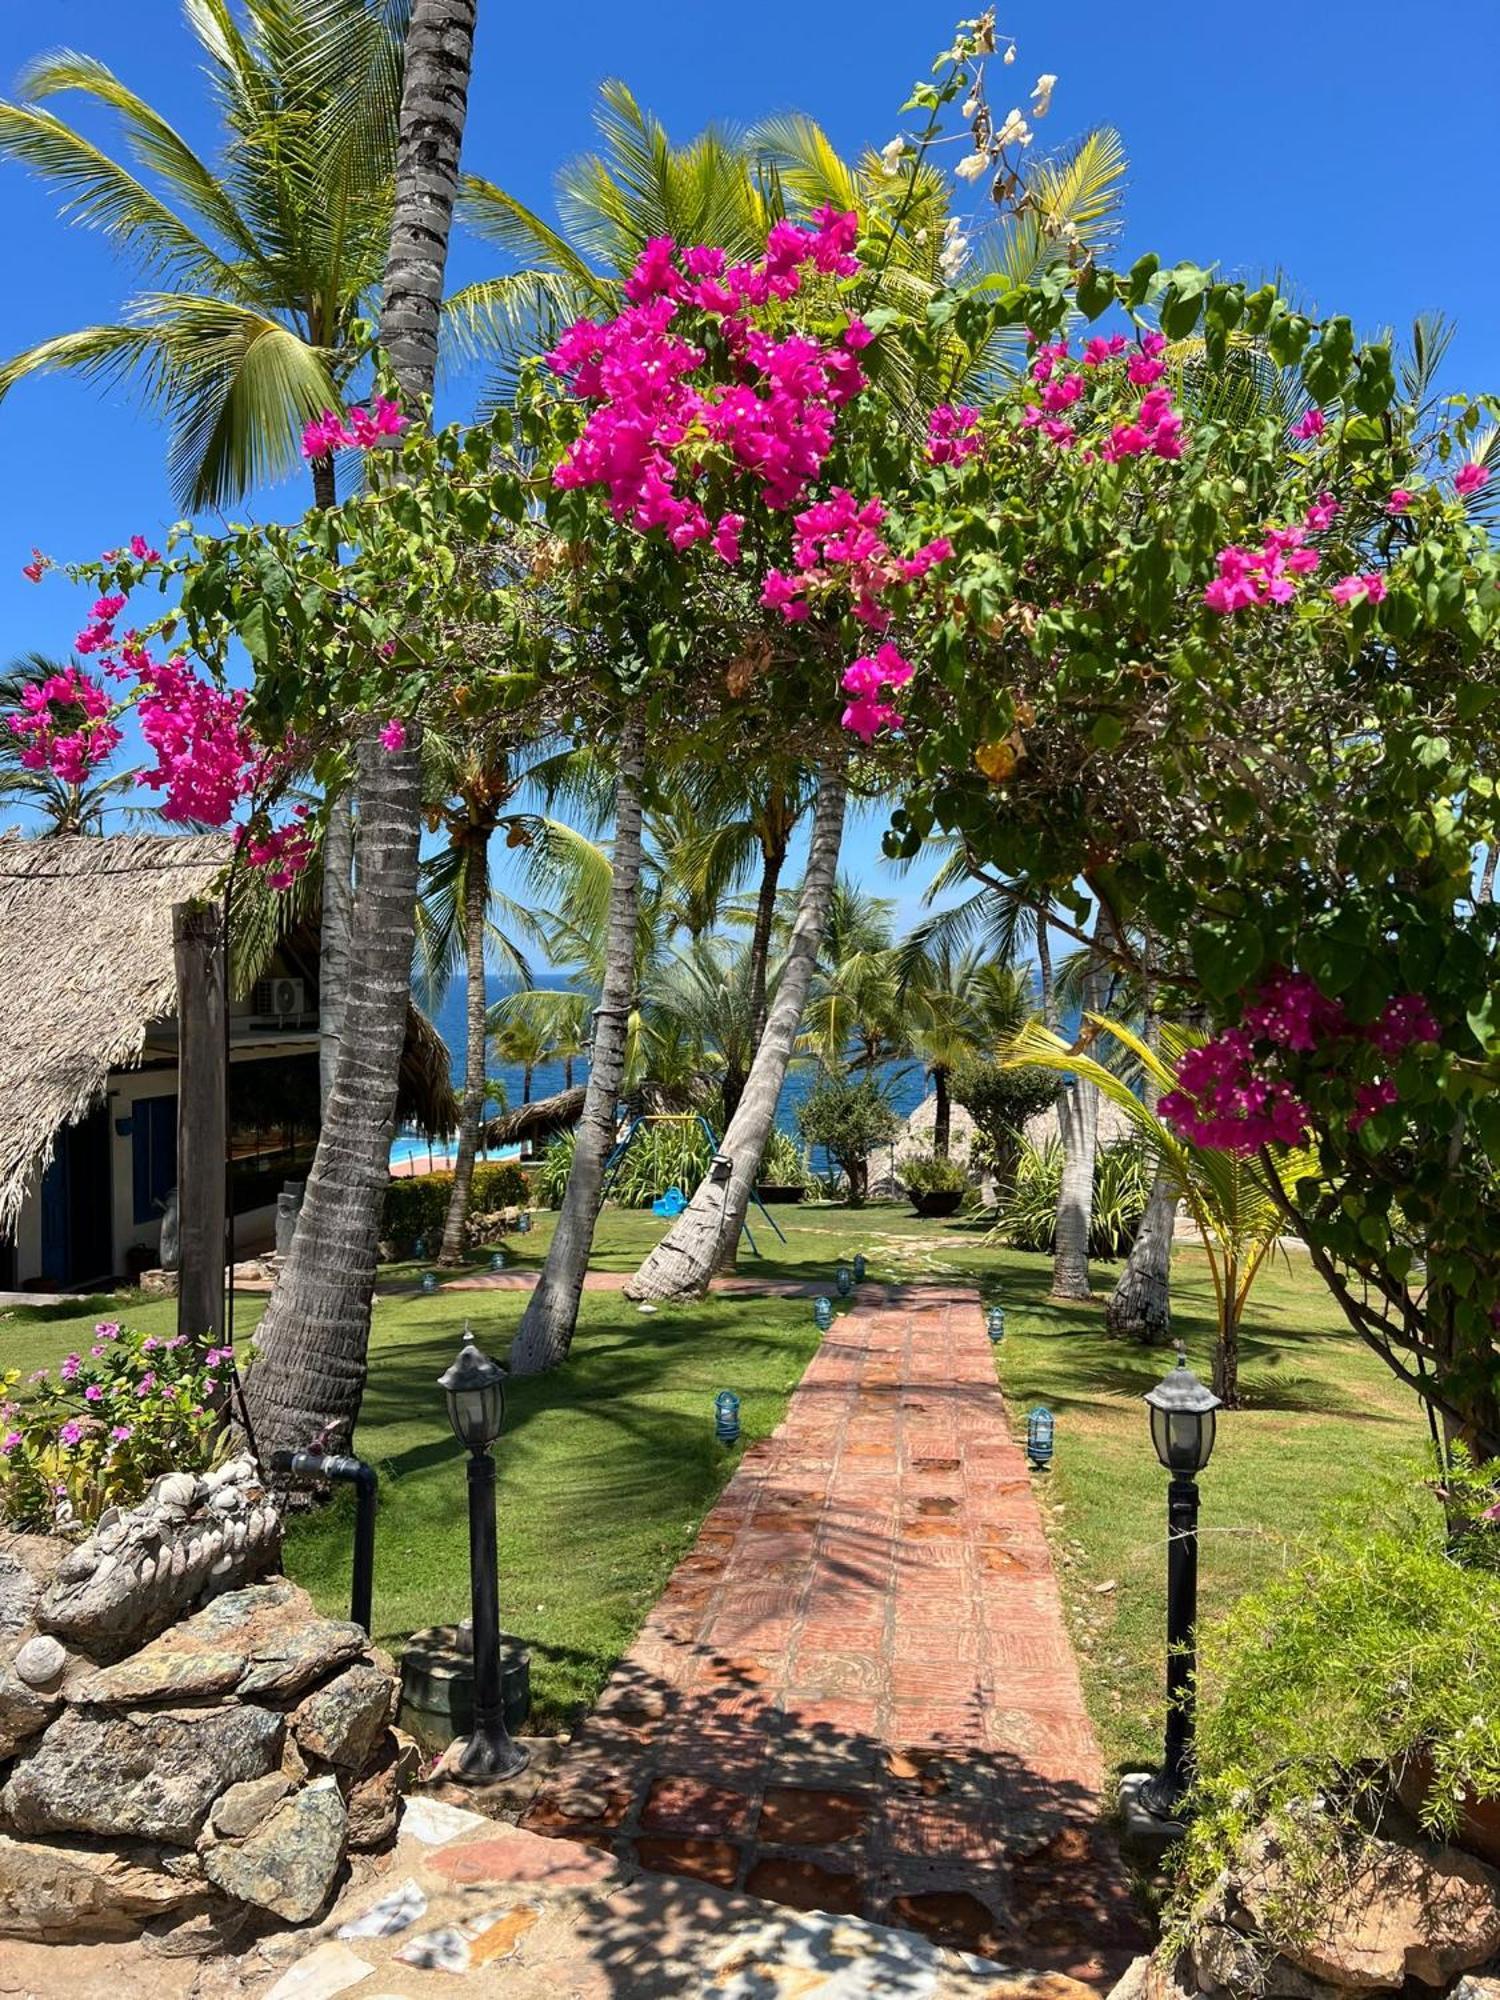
(1367, 587)
(1322, 514)
(32, 571)
(393, 735)
(727, 536)
(1310, 425)
(1370, 1098)
(1400, 500)
(953, 434)
(142, 550)
(1100, 349)
(324, 435)
(1470, 478)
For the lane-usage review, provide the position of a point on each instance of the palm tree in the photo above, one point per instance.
(1237, 1215)
(62, 808)
(522, 1042)
(261, 265)
(958, 1003)
(853, 1019)
(313, 1340)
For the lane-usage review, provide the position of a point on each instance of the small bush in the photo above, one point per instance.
(417, 1205)
(784, 1162)
(1377, 1647)
(111, 1421)
(1026, 1213)
(551, 1177)
(849, 1120)
(1000, 1101)
(926, 1173)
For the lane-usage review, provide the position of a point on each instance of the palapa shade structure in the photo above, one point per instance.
(86, 967)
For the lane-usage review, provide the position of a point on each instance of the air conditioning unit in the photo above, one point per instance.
(281, 999)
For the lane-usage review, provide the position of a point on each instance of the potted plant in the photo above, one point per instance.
(783, 1171)
(934, 1185)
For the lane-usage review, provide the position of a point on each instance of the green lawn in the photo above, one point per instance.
(606, 1469)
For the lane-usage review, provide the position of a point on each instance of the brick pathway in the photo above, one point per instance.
(857, 1692)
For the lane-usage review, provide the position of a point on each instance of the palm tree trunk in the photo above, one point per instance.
(774, 853)
(546, 1330)
(434, 104)
(526, 1084)
(1487, 875)
(476, 907)
(1140, 1306)
(1078, 1122)
(705, 1236)
(942, 1112)
(333, 940)
(1226, 1376)
(309, 1374)
(313, 1341)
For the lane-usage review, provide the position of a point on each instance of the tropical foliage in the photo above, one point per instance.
(1025, 1213)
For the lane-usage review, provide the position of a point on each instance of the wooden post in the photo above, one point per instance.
(202, 1137)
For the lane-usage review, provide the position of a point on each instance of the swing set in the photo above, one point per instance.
(616, 1159)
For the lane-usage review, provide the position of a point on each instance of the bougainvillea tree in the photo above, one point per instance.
(1218, 656)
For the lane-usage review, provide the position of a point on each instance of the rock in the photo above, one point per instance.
(1399, 1912)
(134, 1575)
(1476, 1989)
(288, 1865)
(343, 1721)
(243, 1807)
(374, 1799)
(71, 1890)
(265, 1640)
(152, 1774)
(1131, 1985)
(26, 1562)
(40, 1661)
(24, 1710)
(1226, 1961)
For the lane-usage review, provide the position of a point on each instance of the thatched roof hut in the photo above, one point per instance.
(537, 1120)
(86, 967)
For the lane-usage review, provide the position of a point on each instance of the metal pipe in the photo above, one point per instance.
(312, 1465)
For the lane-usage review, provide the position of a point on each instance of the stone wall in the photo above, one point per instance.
(182, 1735)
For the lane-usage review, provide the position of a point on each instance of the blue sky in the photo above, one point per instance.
(1348, 143)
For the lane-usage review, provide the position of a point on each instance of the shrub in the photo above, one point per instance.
(1000, 1101)
(1377, 1647)
(784, 1163)
(551, 1177)
(110, 1422)
(1026, 1213)
(850, 1120)
(498, 1184)
(926, 1173)
(417, 1205)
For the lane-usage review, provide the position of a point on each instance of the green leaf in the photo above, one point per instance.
(1227, 959)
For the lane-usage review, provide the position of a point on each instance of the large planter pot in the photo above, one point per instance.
(1478, 1826)
(938, 1201)
(779, 1191)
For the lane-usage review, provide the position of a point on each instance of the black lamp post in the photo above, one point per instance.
(475, 1389)
(1182, 1430)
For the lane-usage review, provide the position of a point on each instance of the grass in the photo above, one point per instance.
(606, 1468)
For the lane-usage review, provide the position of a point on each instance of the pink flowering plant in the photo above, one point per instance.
(94, 1432)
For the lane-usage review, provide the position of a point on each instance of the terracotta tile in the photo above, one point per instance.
(802, 1816)
(806, 1885)
(705, 1860)
(686, 1804)
(954, 1918)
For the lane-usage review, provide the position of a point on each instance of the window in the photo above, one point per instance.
(153, 1155)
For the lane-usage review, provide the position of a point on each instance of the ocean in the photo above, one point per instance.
(903, 1080)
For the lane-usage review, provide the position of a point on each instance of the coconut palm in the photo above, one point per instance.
(853, 1018)
(956, 1005)
(313, 1339)
(1237, 1215)
(61, 808)
(259, 267)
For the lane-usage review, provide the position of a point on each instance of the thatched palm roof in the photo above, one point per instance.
(85, 967)
(534, 1121)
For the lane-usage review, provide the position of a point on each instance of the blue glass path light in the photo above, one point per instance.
(1040, 1432)
(429, 1281)
(844, 1281)
(823, 1312)
(860, 1267)
(419, 1248)
(497, 1260)
(523, 1223)
(994, 1321)
(727, 1417)
(475, 1390)
(1182, 1429)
